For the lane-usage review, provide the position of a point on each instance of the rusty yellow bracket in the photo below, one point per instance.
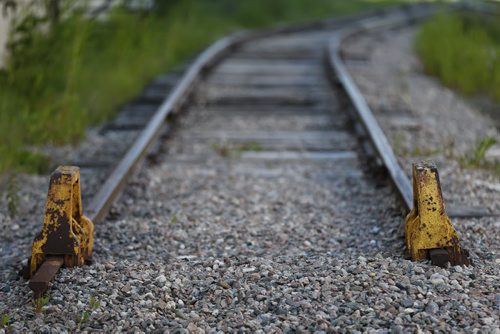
(66, 232)
(429, 231)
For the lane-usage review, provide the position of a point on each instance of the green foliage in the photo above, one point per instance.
(12, 195)
(477, 157)
(399, 147)
(40, 302)
(423, 152)
(481, 148)
(222, 149)
(249, 146)
(463, 50)
(94, 304)
(76, 73)
(5, 320)
(226, 150)
(398, 143)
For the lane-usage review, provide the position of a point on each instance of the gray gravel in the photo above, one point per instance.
(203, 243)
(423, 119)
(303, 293)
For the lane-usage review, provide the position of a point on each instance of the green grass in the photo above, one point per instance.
(463, 50)
(476, 158)
(57, 83)
(94, 304)
(40, 302)
(5, 320)
(235, 150)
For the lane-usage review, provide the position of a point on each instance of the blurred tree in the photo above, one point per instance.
(8, 5)
(53, 9)
(164, 6)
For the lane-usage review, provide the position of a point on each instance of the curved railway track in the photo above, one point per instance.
(263, 107)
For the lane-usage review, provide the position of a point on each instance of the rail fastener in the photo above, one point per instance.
(428, 229)
(67, 236)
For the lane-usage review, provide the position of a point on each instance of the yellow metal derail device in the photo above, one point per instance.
(429, 231)
(67, 236)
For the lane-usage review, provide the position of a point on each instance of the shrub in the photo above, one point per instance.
(463, 50)
(61, 80)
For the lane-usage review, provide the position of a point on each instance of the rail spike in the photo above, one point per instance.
(66, 233)
(429, 232)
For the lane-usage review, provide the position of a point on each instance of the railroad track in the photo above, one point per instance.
(262, 106)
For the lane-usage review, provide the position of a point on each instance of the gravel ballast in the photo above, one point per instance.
(214, 238)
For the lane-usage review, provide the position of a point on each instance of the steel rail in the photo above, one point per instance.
(377, 136)
(440, 256)
(102, 201)
(100, 204)
(107, 194)
(366, 116)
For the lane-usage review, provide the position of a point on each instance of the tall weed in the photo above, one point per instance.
(60, 81)
(463, 50)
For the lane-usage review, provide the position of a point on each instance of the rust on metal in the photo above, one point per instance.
(365, 115)
(39, 283)
(428, 229)
(66, 233)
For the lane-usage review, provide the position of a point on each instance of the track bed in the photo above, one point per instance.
(260, 213)
(254, 171)
(257, 175)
